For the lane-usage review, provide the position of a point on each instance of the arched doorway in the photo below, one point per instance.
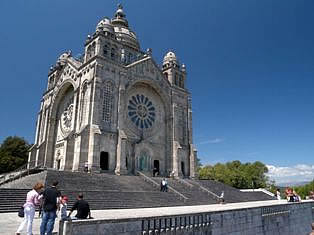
(104, 161)
(182, 168)
(156, 170)
(58, 164)
(61, 121)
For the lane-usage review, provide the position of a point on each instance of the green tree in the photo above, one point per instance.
(13, 153)
(305, 190)
(198, 163)
(236, 174)
(206, 173)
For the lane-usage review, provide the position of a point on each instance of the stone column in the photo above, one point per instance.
(122, 137)
(121, 154)
(175, 160)
(77, 126)
(48, 161)
(63, 157)
(192, 161)
(94, 147)
(38, 127)
(77, 150)
(192, 156)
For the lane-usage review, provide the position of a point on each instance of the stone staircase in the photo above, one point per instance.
(193, 193)
(108, 191)
(102, 191)
(12, 199)
(79, 181)
(231, 195)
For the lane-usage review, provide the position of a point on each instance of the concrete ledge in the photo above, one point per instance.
(266, 217)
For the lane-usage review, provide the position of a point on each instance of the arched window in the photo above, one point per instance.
(113, 53)
(42, 125)
(83, 111)
(176, 79)
(166, 75)
(130, 58)
(107, 102)
(106, 50)
(93, 49)
(90, 52)
(181, 83)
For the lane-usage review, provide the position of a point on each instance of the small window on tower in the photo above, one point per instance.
(113, 53)
(176, 80)
(181, 81)
(106, 49)
(88, 52)
(93, 49)
(107, 102)
(166, 75)
(130, 59)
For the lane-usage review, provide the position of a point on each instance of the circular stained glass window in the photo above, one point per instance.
(141, 111)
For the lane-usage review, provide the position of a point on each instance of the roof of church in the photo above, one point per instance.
(119, 26)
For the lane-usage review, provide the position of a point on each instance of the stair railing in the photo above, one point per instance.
(207, 191)
(17, 173)
(182, 181)
(155, 184)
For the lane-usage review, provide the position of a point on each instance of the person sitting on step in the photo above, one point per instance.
(82, 208)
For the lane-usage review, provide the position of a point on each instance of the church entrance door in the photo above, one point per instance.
(182, 168)
(58, 164)
(156, 168)
(104, 161)
(144, 161)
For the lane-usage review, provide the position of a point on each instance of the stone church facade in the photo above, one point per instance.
(115, 109)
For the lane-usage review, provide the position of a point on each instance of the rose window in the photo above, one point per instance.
(141, 111)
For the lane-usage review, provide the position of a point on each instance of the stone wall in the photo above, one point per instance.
(292, 219)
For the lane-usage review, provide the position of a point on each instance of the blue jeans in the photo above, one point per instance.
(47, 222)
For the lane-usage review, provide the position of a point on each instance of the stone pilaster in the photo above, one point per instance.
(94, 147)
(175, 160)
(48, 161)
(121, 154)
(192, 161)
(77, 151)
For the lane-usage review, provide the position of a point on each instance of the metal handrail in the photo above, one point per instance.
(182, 181)
(9, 177)
(207, 190)
(181, 196)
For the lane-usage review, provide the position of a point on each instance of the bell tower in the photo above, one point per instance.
(172, 70)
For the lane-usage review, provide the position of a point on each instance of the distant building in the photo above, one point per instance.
(115, 109)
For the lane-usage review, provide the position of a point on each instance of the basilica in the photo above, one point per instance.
(115, 109)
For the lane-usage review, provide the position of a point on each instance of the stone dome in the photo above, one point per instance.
(105, 26)
(122, 31)
(126, 36)
(170, 57)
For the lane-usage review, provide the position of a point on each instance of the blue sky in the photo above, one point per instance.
(250, 67)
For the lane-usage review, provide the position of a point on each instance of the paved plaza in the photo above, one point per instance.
(10, 221)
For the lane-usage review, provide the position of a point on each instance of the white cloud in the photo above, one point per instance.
(289, 174)
(212, 141)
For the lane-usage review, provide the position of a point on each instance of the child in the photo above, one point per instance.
(63, 208)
